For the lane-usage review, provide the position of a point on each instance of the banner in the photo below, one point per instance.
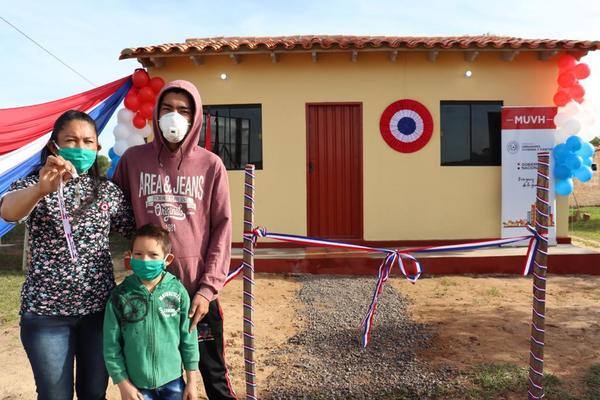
(525, 132)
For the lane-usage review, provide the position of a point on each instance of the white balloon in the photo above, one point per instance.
(135, 140)
(589, 106)
(125, 116)
(144, 132)
(121, 132)
(571, 126)
(561, 135)
(588, 134)
(560, 118)
(571, 108)
(120, 147)
(585, 117)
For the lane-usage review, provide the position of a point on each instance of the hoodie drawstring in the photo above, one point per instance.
(181, 159)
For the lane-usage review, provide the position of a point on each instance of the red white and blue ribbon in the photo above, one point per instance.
(24, 131)
(392, 257)
(406, 125)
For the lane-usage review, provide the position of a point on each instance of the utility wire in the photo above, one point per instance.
(47, 51)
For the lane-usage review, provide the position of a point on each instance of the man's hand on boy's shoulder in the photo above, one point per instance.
(191, 386)
(128, 391)
(198, 309)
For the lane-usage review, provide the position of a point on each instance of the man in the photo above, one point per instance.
(174, 183)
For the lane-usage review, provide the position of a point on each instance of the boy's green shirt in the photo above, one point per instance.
(146, 338)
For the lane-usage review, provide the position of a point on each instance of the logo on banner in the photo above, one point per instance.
(513, 147)
(406, 126)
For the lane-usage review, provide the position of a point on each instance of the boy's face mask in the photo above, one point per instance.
(147, 270)
(174, 126)
(82, 159)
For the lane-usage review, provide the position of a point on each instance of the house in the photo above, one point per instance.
(309, 112)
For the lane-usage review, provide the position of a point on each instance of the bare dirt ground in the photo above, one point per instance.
(472, 320)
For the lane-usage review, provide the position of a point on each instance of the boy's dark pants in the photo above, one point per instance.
(212, 361)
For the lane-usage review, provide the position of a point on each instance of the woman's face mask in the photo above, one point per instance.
(174, 126)
(82, 159)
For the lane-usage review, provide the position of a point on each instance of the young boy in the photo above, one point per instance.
(147, 335)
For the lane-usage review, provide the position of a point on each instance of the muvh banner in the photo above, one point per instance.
(525, 132)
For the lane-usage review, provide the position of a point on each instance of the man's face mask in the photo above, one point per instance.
(174, 126)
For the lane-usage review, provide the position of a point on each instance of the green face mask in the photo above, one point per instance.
(82, 159)
(147, 269)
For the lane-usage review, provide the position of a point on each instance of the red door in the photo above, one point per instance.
(334, 170)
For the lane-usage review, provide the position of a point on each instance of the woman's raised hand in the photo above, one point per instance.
(55, 169)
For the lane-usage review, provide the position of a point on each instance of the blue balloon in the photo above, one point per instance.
(564, 187)
(586, 150)
(562, 172)
(110, 172)
(574, 143)
(584, 173)
(560, 152)
(573, 161)
(111, 153)
(587, 161)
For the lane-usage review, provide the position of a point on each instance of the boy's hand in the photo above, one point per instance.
(128, 391)
(198, 309)
(191, 387)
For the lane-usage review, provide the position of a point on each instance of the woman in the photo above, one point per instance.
(67, 285)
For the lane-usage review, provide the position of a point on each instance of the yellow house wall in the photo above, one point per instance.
(405, 196)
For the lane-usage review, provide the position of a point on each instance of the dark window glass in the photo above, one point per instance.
(236, 134)
(470, 132)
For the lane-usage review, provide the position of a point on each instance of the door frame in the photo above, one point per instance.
(360, 201)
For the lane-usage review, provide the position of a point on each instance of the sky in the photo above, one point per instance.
(89, 35)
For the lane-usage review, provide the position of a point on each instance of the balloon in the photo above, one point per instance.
(571, 126)
(586, 150)
(146, 110)
(566, 79)
(121, 132)
(560, 118)
(110, 172)
(139, 121)
(135, 140)
(146, 95)
(561, 98)
(571, 108)
(132, 102)
(156, 84)
(586, 117)
(560, 152)
(574, 143)
(140, 78)
(144, 132)
(125, 116)
(564, 187)
(584, 173)
(589, 106)
(581, 71)
(573, 161)
(561, 135)
(111, 154)
(120, 147)
(566, 61)
(587, 161)
(577, 91)
(562, 172)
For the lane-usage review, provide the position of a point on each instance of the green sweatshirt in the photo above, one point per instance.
(146, 336)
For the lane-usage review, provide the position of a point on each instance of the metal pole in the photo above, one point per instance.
(542, 217)
(248, 262)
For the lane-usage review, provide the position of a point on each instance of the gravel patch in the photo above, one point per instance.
(325, 361)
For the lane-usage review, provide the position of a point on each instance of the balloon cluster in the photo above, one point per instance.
(574, 120)
(133, 121)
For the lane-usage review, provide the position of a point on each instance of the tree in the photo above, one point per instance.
(103, 164)
(595, 141)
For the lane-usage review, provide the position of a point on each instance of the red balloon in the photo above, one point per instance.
(146, 110)
(561, 98)
(581, 71)
(156, 84)
(139, 121)
(146, 95)
(140, 78)
(566, 79)
(132, 102)
(579, 100)
(566, 61)
(577, 91)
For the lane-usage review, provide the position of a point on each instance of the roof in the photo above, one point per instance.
(233, 45)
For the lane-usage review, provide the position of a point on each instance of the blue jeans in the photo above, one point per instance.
(53, 343)
(169, 391)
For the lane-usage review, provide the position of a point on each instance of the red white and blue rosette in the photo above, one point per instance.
(406, 126)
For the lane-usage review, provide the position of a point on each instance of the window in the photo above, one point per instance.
(236, 134)
(470, 132)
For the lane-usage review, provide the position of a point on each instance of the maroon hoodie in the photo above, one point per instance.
(187, 193)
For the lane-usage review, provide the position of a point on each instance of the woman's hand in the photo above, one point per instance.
(128, 391)
(52, 172)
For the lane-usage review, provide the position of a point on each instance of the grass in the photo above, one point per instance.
(592, 382)
(10, 288)
(588, 230)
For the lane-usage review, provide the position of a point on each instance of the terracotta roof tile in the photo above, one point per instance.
(326, 42)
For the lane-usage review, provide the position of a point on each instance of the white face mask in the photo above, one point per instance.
(174, 126)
